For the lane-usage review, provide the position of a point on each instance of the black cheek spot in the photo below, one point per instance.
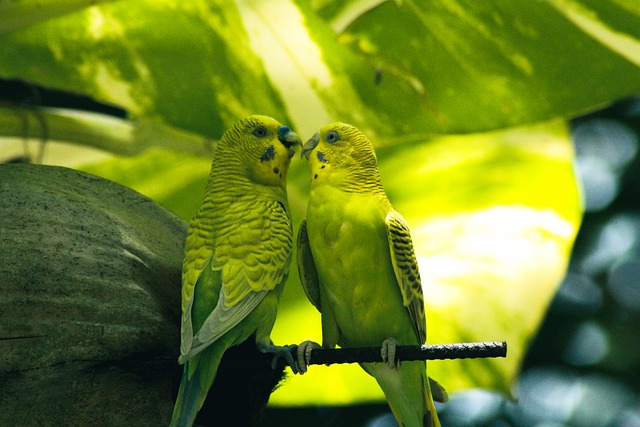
(321, 157)
(269, 154)
(315, 176)
(276, 170)
(323, 166)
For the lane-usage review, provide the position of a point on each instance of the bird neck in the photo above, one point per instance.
(362, 180)
(230, 183)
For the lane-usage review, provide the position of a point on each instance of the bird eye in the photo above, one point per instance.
(260, 132)
(332, 137)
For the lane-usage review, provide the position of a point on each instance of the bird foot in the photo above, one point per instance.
(284, 352)
(304, 355)
(388, 353)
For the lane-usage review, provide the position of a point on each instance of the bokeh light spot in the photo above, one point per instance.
(614, 240)
(604, 147)
(547, 394)
(577, 294)
(384, 420)
(588, 345)
(608, 140)
(600, 184)
(602, 398)
(473, 408)
(629, 418)
(624, 283)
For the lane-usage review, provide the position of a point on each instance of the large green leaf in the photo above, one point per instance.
(493, 215)
(484, 65)
(438, 66)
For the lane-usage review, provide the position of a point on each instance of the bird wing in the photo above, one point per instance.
(250, 257)
(406, 271)
(307, 267)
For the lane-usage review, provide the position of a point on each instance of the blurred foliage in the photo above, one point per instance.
(465, 104)
(583, 368)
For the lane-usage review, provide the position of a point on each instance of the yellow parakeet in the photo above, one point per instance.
(357, 266)
(237, 255)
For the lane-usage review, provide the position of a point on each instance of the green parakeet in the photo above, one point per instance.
(357, 266)
(237, 255)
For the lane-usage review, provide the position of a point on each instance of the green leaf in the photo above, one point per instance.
(152, 58)
(17, 14)
(426, 66)
(486, 65)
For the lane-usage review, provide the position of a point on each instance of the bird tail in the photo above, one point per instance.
(430, 418)
(188, 402)
(197, 377)
(432, 390)
(408, 393)
(429, 414)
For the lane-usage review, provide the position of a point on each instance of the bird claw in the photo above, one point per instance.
(388, 353)
(304, 355)
(281, 352)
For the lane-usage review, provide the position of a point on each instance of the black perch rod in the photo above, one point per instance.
(473, 350)
(321, 356)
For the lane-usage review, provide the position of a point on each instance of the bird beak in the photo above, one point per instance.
(308, 146)
(288, 138)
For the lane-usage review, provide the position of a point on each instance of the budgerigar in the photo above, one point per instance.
(237, 255)
(357, 265)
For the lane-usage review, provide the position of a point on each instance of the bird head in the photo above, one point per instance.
(262, 146)
(340, 152)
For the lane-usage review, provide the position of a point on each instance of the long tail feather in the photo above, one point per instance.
(431, 416)
(189, 400)
(197, 377)
(408, 393)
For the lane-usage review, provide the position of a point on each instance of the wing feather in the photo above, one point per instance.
(405, 267)
(251, 256)
(307, 267)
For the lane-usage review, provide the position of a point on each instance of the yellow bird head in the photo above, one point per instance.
(342, 155)
(261, 147)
